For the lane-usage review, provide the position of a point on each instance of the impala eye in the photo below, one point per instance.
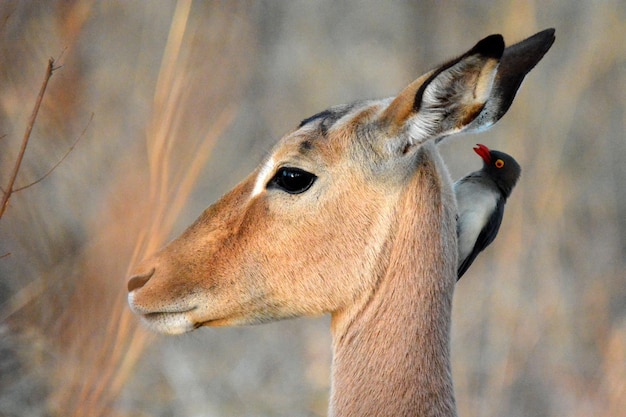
(292, 180)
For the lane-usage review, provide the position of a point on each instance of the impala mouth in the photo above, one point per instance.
(176, 322)
(212, 323)
(168, 323)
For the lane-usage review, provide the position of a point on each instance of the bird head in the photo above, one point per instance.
(501, 167)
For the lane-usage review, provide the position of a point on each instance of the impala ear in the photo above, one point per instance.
(445, 100)
(517, 61)
(469, 93)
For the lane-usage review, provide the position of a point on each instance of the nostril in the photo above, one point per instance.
(139, 281)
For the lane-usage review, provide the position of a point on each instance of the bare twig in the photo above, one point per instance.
(31, 122)
(71, 148)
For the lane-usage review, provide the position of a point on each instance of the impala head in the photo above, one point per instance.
(308, 231)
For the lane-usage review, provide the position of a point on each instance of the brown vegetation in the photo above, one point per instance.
(539, 324)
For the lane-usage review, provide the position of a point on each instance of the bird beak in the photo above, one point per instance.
(483, 152)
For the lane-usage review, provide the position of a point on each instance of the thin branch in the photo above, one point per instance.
(71, 148)
(31, 122)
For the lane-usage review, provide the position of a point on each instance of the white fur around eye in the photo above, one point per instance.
(263, 177)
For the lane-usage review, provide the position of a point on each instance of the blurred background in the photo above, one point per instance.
(164, 106)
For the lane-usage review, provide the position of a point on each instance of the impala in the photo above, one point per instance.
(351, 214)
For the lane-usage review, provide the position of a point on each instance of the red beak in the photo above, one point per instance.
(483, 152)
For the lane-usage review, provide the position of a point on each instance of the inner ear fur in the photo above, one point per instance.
(469, 93)
(448, 98)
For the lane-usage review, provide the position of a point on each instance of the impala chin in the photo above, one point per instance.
(169, 323)
(166, 322)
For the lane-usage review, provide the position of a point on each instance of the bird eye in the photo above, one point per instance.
(499, 163)
(292, 180)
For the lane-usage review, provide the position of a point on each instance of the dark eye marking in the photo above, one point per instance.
(322, 114)
(329, 117)
(292, 180)
(306, 146)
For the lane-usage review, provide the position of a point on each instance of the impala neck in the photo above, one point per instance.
(391, 351)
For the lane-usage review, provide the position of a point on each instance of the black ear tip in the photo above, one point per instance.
(492, 46)
(545, 37)
(547, 34)
(541, 40)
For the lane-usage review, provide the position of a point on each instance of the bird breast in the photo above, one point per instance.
(476, 202)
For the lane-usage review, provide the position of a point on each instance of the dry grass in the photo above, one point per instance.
(95, 341)
(539, 326)
(111, 354)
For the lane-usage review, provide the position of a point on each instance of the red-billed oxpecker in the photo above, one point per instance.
(480, 197)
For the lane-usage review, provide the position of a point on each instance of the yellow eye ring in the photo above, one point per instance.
(499, 163)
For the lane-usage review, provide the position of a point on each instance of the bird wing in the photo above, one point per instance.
(486, 236)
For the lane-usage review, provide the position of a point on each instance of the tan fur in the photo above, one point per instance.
(372, 242)
(407, 316)
(401, 108)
